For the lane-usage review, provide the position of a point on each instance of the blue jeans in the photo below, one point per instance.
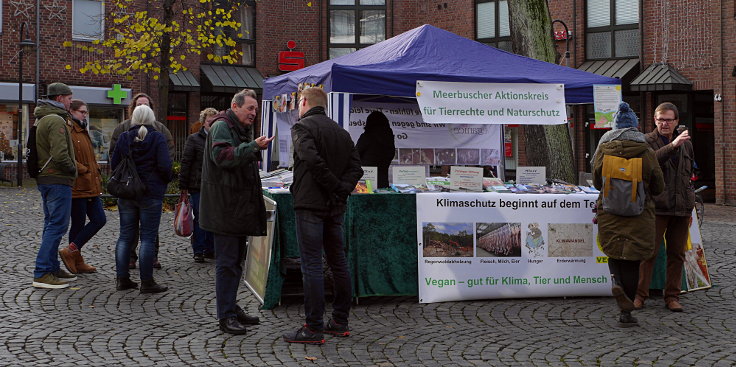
(203, 241)
(83, 208)
(317, 232)
(57, 207)
(229, 256)
(137, 216)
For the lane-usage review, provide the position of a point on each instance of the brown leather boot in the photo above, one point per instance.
(81, 266)
(68, 257)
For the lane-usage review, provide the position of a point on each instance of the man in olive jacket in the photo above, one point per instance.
(231, 203)
(674, 206)
(58, 170)
(326, 169)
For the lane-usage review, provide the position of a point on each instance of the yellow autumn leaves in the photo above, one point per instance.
(139, 41)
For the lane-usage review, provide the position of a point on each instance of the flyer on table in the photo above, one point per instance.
(492, 245)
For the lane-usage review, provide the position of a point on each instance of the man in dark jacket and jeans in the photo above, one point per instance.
(231, 203)
(326, 169)
(673, 207)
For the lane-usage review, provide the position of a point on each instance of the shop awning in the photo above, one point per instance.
(624, 69)
(660, 77)
(183, 81)
(231, 78)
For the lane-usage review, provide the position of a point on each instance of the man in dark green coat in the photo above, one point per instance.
(231, 204)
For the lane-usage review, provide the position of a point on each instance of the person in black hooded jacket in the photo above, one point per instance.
(376, 145)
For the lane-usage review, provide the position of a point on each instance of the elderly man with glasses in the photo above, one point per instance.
(674, 206)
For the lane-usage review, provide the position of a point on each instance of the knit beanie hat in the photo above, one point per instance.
(58, 89)
(625, 117)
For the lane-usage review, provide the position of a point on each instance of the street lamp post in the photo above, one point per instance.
(22, 45)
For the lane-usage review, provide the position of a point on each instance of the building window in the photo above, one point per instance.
(248, 33)
(88, 20)
(492, 23)
(355, 24)
(612, 29)
(102, 122)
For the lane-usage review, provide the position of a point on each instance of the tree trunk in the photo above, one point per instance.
(531, 36)
(164, 62)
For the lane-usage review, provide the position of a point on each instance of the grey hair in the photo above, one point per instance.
(239, 98)
(142, 115)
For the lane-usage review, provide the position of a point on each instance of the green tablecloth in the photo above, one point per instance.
(380, 237)
(381, 231)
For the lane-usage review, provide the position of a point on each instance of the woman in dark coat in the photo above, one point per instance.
(376, 145)
(142, 215)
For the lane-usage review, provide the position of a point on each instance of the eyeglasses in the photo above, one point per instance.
(85, 112)
(666, 120)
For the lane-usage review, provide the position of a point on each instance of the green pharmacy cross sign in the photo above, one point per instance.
(117, 94)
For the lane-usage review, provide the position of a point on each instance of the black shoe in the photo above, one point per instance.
(156, 264)
(209, 255)
(336, 329)
(122, 284)
(305, 336)
(231, 325)
(198, 258)
(150, 286)
(245, 319)
(626, 320)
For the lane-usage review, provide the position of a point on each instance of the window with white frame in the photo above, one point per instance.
(612, 29)
(355, 24)
(88, 19)
(492, 23)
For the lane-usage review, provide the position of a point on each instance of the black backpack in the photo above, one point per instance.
(32, 154)
(125, 182)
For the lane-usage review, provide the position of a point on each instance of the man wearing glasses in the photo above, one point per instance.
(673, 206)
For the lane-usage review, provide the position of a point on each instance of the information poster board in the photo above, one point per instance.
(606, 99)
(258, 259)
(493, 245)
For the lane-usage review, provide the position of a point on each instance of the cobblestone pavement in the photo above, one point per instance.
(93, 325)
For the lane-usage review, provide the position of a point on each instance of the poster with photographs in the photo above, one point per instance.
(428, 144)
(496, 245)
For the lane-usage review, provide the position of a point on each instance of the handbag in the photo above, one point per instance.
(124, 182)
(184, 217)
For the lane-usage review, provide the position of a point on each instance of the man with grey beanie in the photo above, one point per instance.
(626, 231)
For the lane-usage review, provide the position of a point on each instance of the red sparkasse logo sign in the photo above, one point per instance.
(291, 60)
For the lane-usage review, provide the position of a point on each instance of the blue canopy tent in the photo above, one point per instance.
(393, 66)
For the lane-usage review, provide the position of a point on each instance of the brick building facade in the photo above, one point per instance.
(694, 40)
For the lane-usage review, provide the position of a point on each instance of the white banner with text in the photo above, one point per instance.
(491, 103)
(493, 245)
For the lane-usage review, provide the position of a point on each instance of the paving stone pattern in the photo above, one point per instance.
(91, 324)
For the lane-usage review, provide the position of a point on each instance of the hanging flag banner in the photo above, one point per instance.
(493, 245)
(606, 99)
(491, 103)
